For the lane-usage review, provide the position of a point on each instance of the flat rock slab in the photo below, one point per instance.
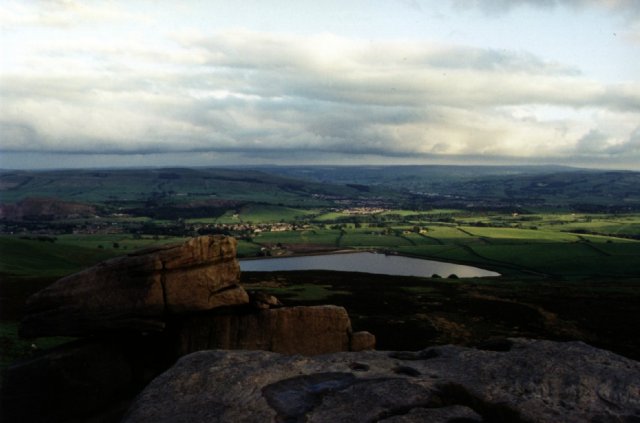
(134, 292)
(526, 381)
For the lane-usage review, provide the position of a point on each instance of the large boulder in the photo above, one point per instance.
(136, 292)
(288, 330)
(516, 381)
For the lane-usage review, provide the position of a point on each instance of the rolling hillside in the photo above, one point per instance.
(529, 186)
(172, 188)
(199, 192)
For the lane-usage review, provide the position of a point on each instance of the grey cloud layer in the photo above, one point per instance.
(265, 94)
(500, 6)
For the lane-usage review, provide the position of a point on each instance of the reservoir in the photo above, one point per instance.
(367, 263)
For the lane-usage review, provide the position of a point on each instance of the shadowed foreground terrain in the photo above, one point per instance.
(138, 314)
(412, 313)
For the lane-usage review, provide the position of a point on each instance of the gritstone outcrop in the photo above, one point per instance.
(526, 381)
(138, 314)
(139, 291)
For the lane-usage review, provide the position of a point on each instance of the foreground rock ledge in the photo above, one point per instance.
(309, 330)
(136, 292)
(525, 381)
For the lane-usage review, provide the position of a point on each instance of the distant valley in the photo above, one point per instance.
(189, 192)
(565, 241)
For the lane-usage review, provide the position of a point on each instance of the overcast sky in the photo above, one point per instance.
(143, 83)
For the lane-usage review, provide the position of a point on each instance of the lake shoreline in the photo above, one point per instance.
(368, 262)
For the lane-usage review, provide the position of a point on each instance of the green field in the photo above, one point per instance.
(248, 249)
(560, 244)
(317, 236)
(67, 254)
(330, 216)
(549, 250)
(601, 245)
(257, 214)
(371, 239)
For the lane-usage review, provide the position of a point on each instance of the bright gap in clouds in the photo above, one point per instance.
(146, 83)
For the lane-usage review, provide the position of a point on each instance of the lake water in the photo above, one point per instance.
(367, 263)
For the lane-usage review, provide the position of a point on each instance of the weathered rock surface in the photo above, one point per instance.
(526, 381)
(134, 292)
(139, 314)
(362, 341)
(288, 330)
(95, 376)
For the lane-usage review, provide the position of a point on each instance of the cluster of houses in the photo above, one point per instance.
(363, 211)
(254, 228)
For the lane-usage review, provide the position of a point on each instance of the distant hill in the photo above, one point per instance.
(399, 176)
(172, 184)
(545, 186)
(190, 192)
(44, 209)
